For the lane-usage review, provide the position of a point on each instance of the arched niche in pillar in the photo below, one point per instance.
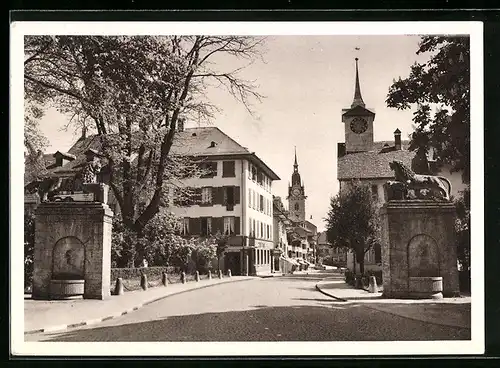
(68, 259)
(423, 256)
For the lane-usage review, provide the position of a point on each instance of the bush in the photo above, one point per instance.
(152, 273)
(29, 247)
(349, 277)
(377, 274)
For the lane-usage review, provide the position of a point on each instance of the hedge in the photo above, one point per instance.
(132, 273)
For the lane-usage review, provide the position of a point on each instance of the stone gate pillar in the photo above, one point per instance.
(73, 240)
(418, 241)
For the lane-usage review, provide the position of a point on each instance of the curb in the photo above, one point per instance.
(93, 321)
(330, 295)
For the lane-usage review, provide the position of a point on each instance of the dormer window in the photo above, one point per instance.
(213, 144)
(63, 158)
(90, 154)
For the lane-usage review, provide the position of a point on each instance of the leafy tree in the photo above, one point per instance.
(353, 222)
(204, 252)
(29, 247)
(462, 228)
(132, 92)
(442, 84)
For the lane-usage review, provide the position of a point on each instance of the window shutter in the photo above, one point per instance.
(237, 225)
(213, 167)
(218, 195)
(224, 195)
(195, 226)
(236, 195)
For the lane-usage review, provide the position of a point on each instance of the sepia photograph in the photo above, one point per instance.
(247, 188)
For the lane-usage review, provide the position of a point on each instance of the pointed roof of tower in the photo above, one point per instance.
(296, 176)
(358, 100)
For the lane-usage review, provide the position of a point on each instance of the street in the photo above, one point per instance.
(272, 309)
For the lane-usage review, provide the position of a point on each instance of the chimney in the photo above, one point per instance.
(180, 124)
(84, 133)
(397, 140)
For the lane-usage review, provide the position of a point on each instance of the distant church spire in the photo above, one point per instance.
(358, 100)
(296, 176)
(295, 164)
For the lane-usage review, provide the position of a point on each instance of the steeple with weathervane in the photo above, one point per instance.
(358, 121)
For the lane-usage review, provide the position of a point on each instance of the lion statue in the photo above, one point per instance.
(437, 186)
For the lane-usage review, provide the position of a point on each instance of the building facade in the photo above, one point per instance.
(363, 159)
(329, 253)
(234, 199)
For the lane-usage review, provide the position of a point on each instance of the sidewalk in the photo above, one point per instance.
(343, 292)
(453, 312)
(56, 315)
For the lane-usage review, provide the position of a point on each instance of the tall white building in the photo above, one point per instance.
(234, 198)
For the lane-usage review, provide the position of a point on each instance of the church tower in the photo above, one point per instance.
(296, 195)
(358, 121)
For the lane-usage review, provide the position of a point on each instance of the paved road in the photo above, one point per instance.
(274, 309)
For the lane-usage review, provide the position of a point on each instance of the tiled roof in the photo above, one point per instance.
(372, 164)
(198, 142)
(191, 141)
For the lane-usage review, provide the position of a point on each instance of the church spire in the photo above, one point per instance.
(358, 100)
(295, 164)
(296, 176)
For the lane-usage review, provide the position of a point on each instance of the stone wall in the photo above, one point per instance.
(59, 228)
(418, 239)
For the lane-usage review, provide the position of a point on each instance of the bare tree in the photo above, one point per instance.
(132, 92)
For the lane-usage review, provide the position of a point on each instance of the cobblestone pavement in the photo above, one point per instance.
(271, 309)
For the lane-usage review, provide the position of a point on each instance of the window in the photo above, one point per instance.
(254, 173)
(206, 195)
(261, 208)
(261, 230)
(228, 169)
(260, 177)
(296, 207)
(209, 169)
(253, 229)
(206, 226)
(228, 225)
(375, 192)
(250, 171)
(229, 196)
(185, 226)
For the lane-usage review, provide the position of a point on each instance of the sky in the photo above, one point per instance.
(306, 81)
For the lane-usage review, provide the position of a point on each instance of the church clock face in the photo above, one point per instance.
(359, 125)
(296, 192)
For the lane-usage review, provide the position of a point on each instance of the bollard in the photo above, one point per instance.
(197, 276)
(144, 282)
(164, 279)
(209, 275)
(119, 286)
(229, 273)
(358, 284)
(373, 285)
(183, 277)
(220, 274)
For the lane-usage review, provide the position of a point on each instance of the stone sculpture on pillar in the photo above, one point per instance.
(419, 256)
